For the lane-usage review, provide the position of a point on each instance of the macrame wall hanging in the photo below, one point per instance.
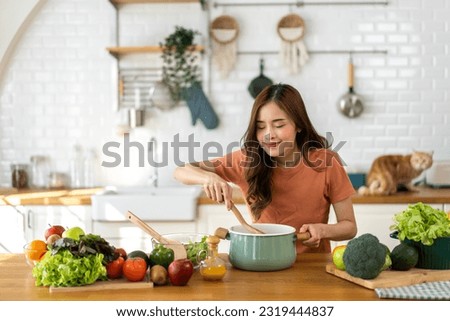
(224, 32)
(291, 29)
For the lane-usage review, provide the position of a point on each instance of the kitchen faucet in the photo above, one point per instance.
(152, 152)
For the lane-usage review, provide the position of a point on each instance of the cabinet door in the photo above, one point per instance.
(447, 208)
(12, 230)
(40, 217)
(377, 220)
(210, 217)
(131, 237)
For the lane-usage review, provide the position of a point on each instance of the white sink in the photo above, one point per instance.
(148, 203)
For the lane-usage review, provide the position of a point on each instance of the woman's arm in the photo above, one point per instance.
(203, 173)
(344, 229)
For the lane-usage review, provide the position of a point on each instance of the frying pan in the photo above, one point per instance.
(260, 82)
(350, 104)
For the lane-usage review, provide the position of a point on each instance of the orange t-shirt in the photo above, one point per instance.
(300, 194)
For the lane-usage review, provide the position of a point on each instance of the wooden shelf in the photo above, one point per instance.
(119, 51)
(117, 2)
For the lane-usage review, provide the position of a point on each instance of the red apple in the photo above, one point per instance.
(121, 252)
(54, 229)
(180, 271)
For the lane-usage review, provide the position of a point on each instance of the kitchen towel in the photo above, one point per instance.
(424, 291)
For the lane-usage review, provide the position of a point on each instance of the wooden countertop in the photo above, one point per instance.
(424, 195)
(16, 197)
(305, 280)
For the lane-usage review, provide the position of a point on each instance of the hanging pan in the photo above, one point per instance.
(260, 82)
(350, 104)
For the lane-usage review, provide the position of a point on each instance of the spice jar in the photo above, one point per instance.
(213, 267)
(39, 171)
(19, 175)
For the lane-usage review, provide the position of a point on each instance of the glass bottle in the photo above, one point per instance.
(39, 171)
(89, 168)
(76, 167)
(213, 267)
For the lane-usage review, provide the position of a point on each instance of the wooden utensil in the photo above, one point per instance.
(243, 222)
(178, 248)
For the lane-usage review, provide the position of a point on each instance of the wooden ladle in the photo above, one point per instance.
(243, 222)
(178, 248)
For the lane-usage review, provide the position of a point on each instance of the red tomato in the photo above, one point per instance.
(134, 269)
(114, 268)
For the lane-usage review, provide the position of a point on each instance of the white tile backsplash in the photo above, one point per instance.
(58, 88)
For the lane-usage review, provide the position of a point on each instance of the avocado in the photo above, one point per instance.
(404, 257)
(140, 253)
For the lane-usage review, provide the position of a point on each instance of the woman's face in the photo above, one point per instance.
(276, 133)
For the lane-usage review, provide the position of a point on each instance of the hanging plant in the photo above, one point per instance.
(180, 68)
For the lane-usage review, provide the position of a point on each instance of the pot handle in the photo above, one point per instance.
(222, 233)
(303, 236)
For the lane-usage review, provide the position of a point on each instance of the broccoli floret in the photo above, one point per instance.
(364, 256)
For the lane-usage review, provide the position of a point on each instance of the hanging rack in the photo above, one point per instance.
(300, 3)
(333, 52)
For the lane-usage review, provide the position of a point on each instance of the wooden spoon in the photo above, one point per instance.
(178, 248)
(241, 219)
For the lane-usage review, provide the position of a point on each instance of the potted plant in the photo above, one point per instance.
(181, 74)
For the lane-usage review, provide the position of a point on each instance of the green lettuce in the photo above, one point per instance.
(421, 223)
(66, 269)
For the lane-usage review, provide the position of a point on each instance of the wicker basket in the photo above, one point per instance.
(291, 21)
(224, 23)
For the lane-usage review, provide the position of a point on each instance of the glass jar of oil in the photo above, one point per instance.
(213, 268)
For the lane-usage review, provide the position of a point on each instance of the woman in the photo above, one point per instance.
(284, 170)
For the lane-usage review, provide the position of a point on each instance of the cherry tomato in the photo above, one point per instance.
(114, 268)
(134, 269)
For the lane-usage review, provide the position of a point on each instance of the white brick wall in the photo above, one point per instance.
(59, 86)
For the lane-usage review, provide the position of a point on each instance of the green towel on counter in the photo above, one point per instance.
(424, 291)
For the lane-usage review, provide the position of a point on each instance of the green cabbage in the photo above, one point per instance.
(65, 269)
(421, 223)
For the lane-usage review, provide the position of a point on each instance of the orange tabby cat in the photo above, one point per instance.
(390, 171)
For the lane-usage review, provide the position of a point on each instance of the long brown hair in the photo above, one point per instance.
(258, 164)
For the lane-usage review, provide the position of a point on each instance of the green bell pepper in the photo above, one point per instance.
(161, 255)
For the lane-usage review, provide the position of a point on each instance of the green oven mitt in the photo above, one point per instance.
(200, 106)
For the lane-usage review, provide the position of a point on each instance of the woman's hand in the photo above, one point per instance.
(218, 190)
(203, 173)
(316, 232)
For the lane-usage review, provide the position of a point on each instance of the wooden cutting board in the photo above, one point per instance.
(389, 279)
(118, 284)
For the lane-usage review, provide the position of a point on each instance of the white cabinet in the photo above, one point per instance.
(130, 237)
(447, 208)
(22, 224)
(39, 217)
(12, 230)
(370, 218)
(210, 217)
(376, 219)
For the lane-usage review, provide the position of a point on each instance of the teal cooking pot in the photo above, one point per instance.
(272, 251)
